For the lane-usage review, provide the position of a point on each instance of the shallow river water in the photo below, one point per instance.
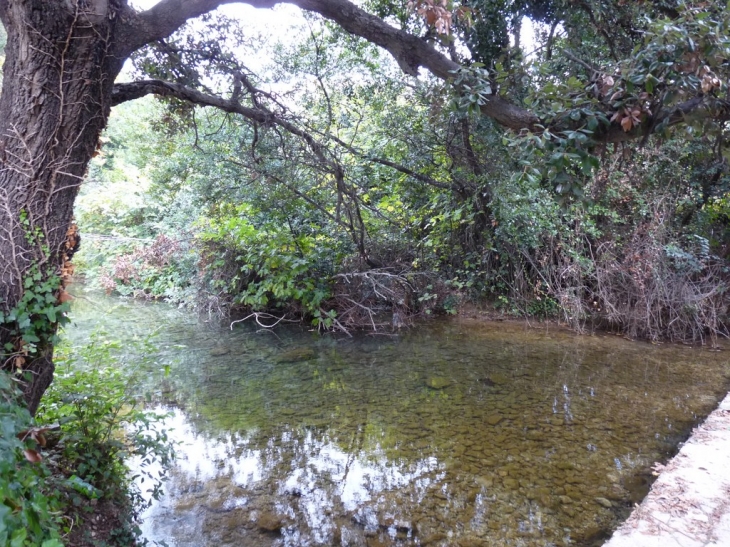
(453, 433)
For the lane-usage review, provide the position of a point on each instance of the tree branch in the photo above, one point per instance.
(164, 18)
(694, 109)
(411, 53)
(129, 91)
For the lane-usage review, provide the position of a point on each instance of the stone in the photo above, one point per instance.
(565, 500)
(604, 502)
(471, 542)
(219, 351)
(269, 522)
(486, 482)
(438, 382)
(493, 419)
(296, 355)
(433, 539)
(499, 379)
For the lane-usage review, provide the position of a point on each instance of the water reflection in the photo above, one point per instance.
(451, 434)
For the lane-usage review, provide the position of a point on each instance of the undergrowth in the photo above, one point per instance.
(71, 463)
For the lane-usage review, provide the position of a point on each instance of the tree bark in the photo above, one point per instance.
(57, 82)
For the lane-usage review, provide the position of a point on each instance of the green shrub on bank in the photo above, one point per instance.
(268, 266)
(95, 399)
(52, 476)
(29, 506)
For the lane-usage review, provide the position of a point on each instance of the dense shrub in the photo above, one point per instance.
(29, 503)
(58, 470)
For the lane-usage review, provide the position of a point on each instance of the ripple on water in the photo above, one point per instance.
(453, 433)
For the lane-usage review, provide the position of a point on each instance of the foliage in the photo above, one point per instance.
(159, 269)
(268, 266)
(51, 475)
(29, 506)
(95, 400)
(94, 397)
(371, 181)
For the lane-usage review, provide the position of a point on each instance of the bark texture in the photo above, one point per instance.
(57, 80)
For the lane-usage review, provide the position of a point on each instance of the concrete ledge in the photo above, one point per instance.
(689, 504)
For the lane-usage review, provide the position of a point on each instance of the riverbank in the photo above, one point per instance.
(689, 504)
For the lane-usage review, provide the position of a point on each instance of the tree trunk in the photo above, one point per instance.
(57, 83)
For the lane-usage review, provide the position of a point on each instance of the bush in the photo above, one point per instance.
(268, 267)
(102, 426)
(29, 507)
(160, 269)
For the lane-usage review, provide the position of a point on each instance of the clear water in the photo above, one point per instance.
(453, 433)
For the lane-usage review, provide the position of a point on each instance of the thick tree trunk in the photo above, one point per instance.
(57, 82)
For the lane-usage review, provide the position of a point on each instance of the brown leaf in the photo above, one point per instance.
(627, 124)
(63, 296)
(32, 456)
(39, 438)
(606, 85)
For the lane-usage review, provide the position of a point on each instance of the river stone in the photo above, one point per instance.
(219, 351)
(499, 379)
(438, 382)
(295, 355)
(269, 522)
(433, 539)
(471, 542)
(493, 419)
(510, 483)
(604, 502)
(565, 500)
(486, 482)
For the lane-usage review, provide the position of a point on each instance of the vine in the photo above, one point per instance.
(33, 323)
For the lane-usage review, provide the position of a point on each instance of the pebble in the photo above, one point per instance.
(604, 502)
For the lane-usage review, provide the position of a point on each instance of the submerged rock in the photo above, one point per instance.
(499, 379)
(219, 351)
(604, 502)
(295, 355)
(269, 522)
(438, 382)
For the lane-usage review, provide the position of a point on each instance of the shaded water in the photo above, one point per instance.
(453, 433)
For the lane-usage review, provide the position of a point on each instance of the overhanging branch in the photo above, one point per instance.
(135, 90)
(411, 53)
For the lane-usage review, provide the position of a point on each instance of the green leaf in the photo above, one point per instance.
(18, 537)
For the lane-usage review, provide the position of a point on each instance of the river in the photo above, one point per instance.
(456, 432)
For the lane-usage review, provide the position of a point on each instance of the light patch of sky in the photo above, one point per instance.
(277, 24)
(532, 34)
